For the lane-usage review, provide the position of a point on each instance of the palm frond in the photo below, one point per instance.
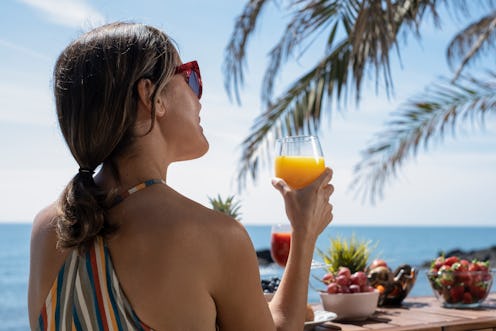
(375, 34)
(308, 22)
(234, 60)
(471, 42)
(418, 122)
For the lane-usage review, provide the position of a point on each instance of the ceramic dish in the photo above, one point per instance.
(321, 316)
(350, 306)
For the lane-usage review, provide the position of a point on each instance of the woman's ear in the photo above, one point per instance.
(145, 91)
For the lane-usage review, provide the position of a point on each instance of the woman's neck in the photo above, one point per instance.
(125, 174)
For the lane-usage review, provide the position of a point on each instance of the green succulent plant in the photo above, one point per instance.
(352, 253)
(227, 206)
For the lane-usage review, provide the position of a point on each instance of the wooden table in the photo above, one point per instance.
(423, 313)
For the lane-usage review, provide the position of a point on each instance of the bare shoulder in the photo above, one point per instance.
(44, 234)
(45, 259)
(223, 231)
(200, 222)
(222, 238)
(43, 227)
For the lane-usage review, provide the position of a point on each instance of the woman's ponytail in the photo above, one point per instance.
(82, 214)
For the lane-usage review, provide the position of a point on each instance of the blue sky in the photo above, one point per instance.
(453, 183)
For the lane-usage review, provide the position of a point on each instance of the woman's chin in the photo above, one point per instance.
(196, 153)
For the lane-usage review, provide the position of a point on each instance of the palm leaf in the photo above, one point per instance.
(471, 42)
(308, 22)
(422, 119)
(234, 61)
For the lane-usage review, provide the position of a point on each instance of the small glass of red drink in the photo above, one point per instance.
(280, 243)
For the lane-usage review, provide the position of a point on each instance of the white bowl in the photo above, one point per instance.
(350, 306)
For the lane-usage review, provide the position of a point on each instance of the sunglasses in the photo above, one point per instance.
(191, 72)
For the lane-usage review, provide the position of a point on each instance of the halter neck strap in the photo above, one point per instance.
(119, 198)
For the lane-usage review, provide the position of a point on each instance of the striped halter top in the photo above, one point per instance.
(87, 296)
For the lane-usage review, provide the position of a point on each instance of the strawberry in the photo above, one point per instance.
(478, 292)
(456, 294)
(467, 297)
(437, 263)
(465, 264)
(463, 277)
(445, 276)
(451, 260)
(486, 276)
(459, 266)
(474, 267)
(483, 266)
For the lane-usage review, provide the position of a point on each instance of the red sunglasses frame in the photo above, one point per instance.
(186, 69)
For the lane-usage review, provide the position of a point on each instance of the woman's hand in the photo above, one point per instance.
(308, 208)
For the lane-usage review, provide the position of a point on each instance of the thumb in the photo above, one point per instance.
(280, 185)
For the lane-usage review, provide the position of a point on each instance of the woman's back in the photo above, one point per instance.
(169, 255)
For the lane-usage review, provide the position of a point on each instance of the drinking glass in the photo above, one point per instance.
(280, 243)
(299, 160)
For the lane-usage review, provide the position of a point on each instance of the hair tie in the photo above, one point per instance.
(86, 171)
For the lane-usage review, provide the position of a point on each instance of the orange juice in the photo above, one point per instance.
(299, 171)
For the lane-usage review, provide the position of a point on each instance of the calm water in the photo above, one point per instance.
(14, 269)
(397, 245)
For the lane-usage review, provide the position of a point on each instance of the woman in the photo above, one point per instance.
(121, 249)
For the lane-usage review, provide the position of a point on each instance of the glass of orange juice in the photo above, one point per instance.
(299, 160)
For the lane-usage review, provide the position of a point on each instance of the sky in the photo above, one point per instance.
(452, 183)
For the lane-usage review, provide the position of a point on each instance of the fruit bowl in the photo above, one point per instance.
(348, 295)
(458, 283)
(460, 289)
(350, 306)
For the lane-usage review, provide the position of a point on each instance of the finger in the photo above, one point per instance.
(329, 190)
(325, 177)
(280, 185)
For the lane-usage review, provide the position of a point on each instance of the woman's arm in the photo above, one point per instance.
(309, 212)
(238, 293)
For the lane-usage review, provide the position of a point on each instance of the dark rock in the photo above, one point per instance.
(487, 254)
(264, 257)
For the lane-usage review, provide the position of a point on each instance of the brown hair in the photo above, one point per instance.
(95, 81)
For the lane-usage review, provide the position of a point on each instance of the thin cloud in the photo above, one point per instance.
(24, 50)
(69, 13)
(28, 104)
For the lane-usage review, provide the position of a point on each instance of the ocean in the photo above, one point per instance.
(397, 245)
